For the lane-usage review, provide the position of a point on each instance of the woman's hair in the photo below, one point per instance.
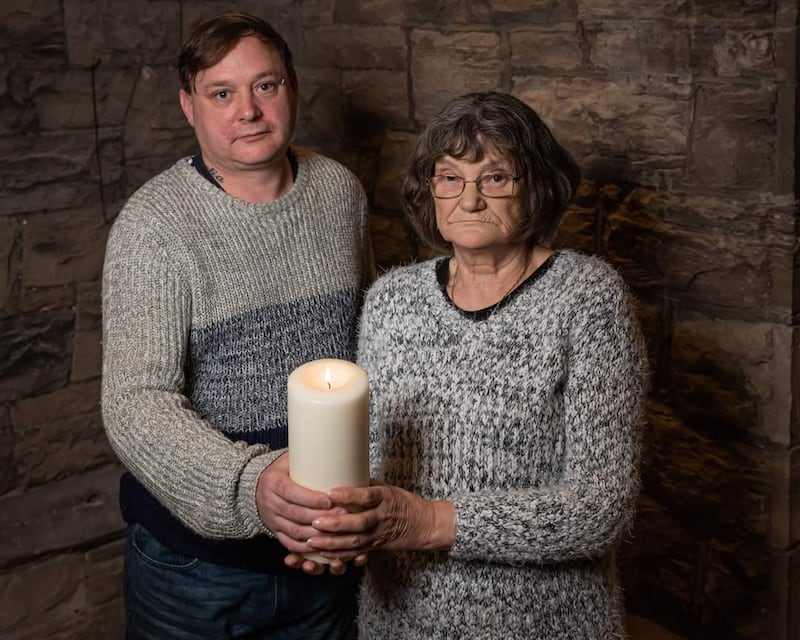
(476, 123)
(210, 41)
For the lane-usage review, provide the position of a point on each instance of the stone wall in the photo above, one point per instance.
(684, 117)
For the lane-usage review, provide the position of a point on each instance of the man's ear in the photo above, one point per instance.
(187, 106)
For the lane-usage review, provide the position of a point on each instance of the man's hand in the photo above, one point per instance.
(287, 509)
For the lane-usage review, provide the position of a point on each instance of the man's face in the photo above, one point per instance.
(242, 116)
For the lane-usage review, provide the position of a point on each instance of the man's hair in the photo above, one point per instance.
(467, 128)
(210, 41)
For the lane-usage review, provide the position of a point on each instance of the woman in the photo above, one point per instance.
(506, 385)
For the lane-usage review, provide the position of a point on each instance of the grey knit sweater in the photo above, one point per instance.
(209, 303)
(529, 422)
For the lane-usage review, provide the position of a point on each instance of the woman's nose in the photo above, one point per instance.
(471, 197)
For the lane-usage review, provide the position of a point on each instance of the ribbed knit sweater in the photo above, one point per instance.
(209, 302)
(529, 422)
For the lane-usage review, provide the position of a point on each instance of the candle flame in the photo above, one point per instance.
(328, 376)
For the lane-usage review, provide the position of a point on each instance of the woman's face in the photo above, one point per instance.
(474, 220)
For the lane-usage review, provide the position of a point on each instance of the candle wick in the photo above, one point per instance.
(329, 386)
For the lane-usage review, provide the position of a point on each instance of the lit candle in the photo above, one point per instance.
(328, 411)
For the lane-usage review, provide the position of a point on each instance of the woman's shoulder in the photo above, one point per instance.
(325, 170)
(404, 278)
(583, 272)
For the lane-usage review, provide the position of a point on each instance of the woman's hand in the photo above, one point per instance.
(383, 516)
(337, 566)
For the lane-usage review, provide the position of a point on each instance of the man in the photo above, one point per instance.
(223, 274)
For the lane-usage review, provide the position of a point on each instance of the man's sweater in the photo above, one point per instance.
(209, 302)
(529, 422)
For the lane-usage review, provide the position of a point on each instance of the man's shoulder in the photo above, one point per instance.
(323, 168)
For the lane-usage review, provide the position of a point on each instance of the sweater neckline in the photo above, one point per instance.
(285, 201)
(479, 315)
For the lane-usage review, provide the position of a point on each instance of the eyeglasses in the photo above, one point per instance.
(496, 184)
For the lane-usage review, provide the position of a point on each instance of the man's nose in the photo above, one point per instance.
(249, 108)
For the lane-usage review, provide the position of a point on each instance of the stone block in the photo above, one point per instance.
(733, 138)
(110, 96)
(355, 47)
(745, 10)
(8, 472)
(43, 597)
(104, 569)
(73, 400)
(517, 12)
(393, 241)
(632, 233)
(733, 53)
(7, 239)
(47, 298)
(59, 448)
(321, 110)
(35, 353)
(623, 122)
(377, 95)
(32, 33)
(658, 565)
(717, 269)
(19, 117)
(446, 65)
(80, 510)
(121, 33)
(87, 355)
(555, 48)
(717, 480)
(88, 312)
(445, 12)
(394, 161)
(50, 171)
(155, 124)
(315, 13)
(640, 46)
(785, 508)
(60, 248)
(730, 376)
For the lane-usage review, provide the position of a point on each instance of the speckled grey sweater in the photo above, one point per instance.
(529, 422)
(209, 302)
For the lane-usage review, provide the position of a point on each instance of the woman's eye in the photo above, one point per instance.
(447, 178)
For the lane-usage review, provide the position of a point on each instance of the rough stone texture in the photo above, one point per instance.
(733, 138)
(80, 510)
(355, 47)
(122, 33)
(445, 65)
(555, 47)
(647, 45)
(683, 116)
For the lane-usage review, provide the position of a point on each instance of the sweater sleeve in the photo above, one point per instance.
(207, 481)
(590, 505)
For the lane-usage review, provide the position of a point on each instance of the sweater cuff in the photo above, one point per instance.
(248, 482)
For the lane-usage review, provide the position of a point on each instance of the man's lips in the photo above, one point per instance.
(254, 135)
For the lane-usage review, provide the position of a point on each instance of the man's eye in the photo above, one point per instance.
(267, 87)
(222, 95)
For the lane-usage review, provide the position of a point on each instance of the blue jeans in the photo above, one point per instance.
(173, 597)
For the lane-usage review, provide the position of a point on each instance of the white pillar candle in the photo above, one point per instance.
(328, 411)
